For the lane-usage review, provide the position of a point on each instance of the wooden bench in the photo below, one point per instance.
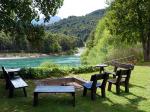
(94, 84)
(53, 89)
(14, 83)
(118, 65)
(119, 80)
(121, 75)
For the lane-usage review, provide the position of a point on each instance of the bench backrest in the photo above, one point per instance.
(5, 73)
(104, 76)
(13, 82)
(123, 74)
(121, 65)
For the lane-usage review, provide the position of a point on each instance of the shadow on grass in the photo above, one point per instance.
(133, 85)
(107, 105)
(133, 100)
(63, 102)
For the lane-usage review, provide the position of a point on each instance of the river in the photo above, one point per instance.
(73, 60)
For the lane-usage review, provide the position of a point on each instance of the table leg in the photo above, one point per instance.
(35, 100)
(7, 84)
(73, 95)
(11, 92)
(25, 93)
(101, 69)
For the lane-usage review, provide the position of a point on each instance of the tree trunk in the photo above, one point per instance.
(144, 34)
(146, 49)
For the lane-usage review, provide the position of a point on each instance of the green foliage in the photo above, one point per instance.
(49, 65)
(130, 20)
(5, 41)
(34, 35)
(96, 52)
(24, 11)
(15, 21)
(37, 40)
(31, 38)
(83, 69)
(77, 26)
(57, 43)
(103, 46)
(42, 72)
(49, 70)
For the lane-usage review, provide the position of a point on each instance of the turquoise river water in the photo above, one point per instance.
(33, 62)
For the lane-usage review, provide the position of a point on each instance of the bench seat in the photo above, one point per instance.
(18, 83)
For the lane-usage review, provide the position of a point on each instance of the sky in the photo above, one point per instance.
(79, 7)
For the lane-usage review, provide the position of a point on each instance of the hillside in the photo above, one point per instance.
(77, 26)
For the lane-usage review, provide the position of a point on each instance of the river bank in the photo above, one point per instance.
(20, 55)
(5, 56)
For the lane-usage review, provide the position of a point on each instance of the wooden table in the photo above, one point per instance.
(53, 89)
(101, 67)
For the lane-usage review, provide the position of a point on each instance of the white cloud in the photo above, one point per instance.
(80, 7)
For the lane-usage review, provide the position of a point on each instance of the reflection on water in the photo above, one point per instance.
(33, 62)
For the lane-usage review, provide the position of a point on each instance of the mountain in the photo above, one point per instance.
(80, 26)
(51, 21)
(97, 13)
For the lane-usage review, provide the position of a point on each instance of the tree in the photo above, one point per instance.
(24, 11)
(35, 36)
(130, 19)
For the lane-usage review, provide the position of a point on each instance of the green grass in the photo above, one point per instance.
(138, 100)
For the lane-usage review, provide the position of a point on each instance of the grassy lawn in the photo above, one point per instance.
(138, 100)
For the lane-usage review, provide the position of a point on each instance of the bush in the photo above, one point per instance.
(49, 65)
(83, 69)
(42, 72)
(45, 72)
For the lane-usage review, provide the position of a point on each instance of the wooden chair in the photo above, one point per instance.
(122, 76)
(93, 85)
(14, 83)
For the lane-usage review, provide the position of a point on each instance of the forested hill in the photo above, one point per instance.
(77, 26)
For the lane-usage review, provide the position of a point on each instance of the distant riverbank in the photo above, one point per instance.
(5, 56)
(8, 56)
(20, 55)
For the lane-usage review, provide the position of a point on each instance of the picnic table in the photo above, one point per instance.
(101, 67)
(53, 89)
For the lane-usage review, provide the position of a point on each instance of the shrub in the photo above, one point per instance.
(46, 70)
(49, 65)
(83, 69)
(42, 72)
